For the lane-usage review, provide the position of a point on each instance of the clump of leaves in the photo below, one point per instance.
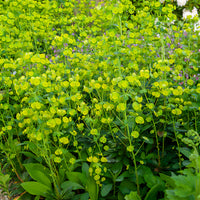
(186, 185)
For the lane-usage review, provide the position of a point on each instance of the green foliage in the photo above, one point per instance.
(106, 189)
(4, 181)
(36, 188)
(132, 196)
(39, 173)
(95, 99)
(186, 185)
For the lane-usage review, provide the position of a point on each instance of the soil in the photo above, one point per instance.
(3, 197)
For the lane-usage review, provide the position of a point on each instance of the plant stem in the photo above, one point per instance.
(179, 154)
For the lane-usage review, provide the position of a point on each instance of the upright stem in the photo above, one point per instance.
(136, 174)
(175, 133)
(157, 142)
(133, 155)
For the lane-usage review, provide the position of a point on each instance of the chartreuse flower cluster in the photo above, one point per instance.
(79, 80)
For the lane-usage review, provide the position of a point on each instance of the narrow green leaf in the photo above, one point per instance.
(37, 198)
(31, 155)
(120, 196)
(92, 188)
(85, 169)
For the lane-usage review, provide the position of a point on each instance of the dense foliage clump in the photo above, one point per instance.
(98, 100)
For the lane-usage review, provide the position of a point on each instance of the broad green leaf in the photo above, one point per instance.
(36, 188)
(152, 194)
(106, 189)
(84, 196)
(132, 196)
(150, 179)
(92, 188)
(39, 173)
(76, 177)
(127, 186)
(72, 185)
(167, 179)
(185, 185)
(185, 151)
(122, 176)
(117, 168)
(171, 196)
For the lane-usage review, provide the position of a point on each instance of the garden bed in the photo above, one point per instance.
(102, 104)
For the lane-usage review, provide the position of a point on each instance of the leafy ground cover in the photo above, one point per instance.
(98, 101)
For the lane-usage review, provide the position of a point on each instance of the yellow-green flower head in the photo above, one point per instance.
(136, 106)
(150, 105)
(123, 84)
(144, 74)
(114, 96)
(98, 170)
(135, 134)
(51, 123)
(139, 120)
(64, 140)
(121, 107)
(72, 160)
(95, 159)
(94, 132)
(104, 159)
(130, 148)
(103, 139)
(58, 152)
(190, 82)
(57, 159)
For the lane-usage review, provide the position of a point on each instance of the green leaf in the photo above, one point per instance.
(37, 198)
(76, 177)
(106, 189)
(127, 186)
(92, 188)
(120, 196)
(68, 156)
(185, 151)
(31, 155)
(39, 173)
(152, 194)
(185, 185)
(72, 185)
(4, 179)
(132, 196)
(36, 188)
(170, 182)
(117, 168)
(85, 169)
(150, 179)
(84, 196)
(122, 176)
